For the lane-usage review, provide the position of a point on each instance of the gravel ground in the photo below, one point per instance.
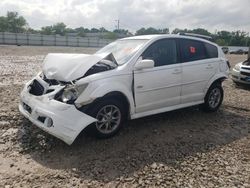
(184, 148)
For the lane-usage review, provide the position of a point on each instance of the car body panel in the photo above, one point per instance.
(101, 87)
(154, 91)
(69, 67)
(193, 85)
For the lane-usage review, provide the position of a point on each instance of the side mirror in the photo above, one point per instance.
(144, 64)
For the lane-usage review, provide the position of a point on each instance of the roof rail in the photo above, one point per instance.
(196, 35)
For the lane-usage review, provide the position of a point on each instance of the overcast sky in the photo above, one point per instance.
(134, 14)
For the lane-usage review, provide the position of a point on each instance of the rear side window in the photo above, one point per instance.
(212, 51)
(192, 50)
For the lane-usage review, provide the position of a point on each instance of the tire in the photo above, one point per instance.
(111, 115)
(213, 98)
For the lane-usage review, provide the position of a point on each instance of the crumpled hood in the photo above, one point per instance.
(69, 67)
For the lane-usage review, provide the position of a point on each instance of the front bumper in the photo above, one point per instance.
(59, 119)
(238, 77)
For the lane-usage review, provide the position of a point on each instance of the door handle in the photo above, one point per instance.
(176, 71)
(209, 66)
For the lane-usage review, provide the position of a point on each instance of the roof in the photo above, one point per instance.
(160, 36)
(148, 37)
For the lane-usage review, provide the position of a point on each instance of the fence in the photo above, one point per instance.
(50, 40)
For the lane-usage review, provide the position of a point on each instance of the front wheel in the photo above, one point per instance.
(110, 115)
(213, 98)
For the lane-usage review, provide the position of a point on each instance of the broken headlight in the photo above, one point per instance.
(71, 92)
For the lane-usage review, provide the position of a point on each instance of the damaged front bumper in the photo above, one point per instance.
(59, 119)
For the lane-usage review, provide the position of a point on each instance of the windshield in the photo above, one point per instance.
(123, 50)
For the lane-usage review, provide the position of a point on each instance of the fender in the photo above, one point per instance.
(218, 76)
(103, 89)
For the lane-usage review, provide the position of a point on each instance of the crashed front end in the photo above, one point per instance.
(40, 106)
(49, 103)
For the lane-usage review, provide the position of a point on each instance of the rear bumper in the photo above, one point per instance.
(61, 120)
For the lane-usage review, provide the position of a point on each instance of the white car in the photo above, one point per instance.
(127, 79)
(241, 72)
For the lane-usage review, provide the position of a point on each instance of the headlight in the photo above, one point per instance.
(237, 67)
(41, 75)
(71, 92)
(69, 95)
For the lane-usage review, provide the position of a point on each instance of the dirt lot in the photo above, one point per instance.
(184, 148)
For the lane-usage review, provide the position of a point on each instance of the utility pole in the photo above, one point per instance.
(248, 48)
(118, 24)
(248, 53)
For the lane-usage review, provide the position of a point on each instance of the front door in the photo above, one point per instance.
(160, 86)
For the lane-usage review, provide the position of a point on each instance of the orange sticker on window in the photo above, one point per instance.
(192, 49)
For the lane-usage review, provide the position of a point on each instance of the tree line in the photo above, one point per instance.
(13, 22)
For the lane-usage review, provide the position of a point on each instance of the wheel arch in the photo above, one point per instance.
(121, 97)
(218, 79)
(118, 95)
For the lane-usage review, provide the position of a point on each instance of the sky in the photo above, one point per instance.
(213, 15)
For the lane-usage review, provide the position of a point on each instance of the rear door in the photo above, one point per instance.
(199, 66)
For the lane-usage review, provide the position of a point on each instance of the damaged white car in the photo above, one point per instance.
(129, 78)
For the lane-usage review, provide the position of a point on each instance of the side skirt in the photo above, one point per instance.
(165, 109)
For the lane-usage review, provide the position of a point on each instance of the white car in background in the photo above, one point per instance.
(241, 72)
(127, 79)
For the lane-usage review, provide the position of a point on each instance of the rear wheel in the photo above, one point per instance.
(213, 98)
(110, 114)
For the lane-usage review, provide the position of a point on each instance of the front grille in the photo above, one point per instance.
(245, 73)
(27, 108)
(36, 88)
(246, 68)
(245, 79)
(51, 82)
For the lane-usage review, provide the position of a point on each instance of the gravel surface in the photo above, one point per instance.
(183, 148)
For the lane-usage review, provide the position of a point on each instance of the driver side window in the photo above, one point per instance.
(163, 52)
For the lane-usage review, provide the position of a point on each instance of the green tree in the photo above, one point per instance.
(103, 30)
(110, 35)
(3, 24)
(122, 31)
(221, 42)
(164, 31)
(94, 30)
(58, 28)
(82, 31)
(47, 30)
(151, 30)
(12, 22)
(177, 30)
(238, 38)
(200, 31)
